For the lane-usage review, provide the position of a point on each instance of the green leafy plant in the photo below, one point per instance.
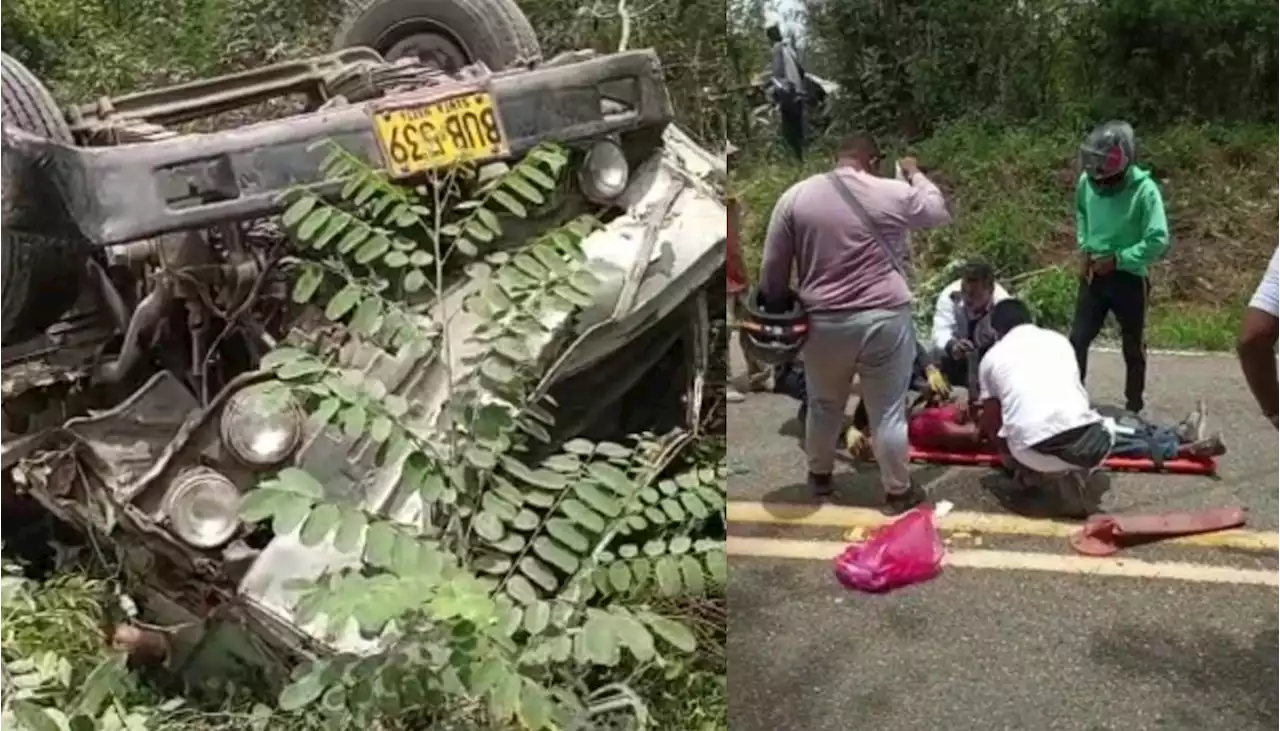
(57, 673)
(531, 564)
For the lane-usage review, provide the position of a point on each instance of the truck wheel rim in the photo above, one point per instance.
(432, 47)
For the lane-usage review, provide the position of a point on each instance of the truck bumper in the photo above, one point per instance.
(113, 195)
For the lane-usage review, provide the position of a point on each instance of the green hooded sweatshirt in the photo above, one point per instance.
(1128, 223)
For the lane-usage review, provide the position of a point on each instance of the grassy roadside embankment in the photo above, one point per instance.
(1011, 192)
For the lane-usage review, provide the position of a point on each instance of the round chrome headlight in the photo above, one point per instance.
(202, 507)
(605, 173)
(262, 424)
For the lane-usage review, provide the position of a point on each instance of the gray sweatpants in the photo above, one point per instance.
(878, 346)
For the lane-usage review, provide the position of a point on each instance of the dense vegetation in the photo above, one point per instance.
(994, 98)
(56, 656)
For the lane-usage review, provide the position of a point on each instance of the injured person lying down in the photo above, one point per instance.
(954, 428)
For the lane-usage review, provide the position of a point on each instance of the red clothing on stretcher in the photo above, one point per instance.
(929, 426)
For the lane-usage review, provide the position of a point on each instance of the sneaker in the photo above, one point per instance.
(1134, 407)
(820, 485)
(734, 396)
(1194, 428)
(897, 503)
(1211, 446)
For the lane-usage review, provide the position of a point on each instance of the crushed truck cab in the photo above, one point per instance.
(129, 398)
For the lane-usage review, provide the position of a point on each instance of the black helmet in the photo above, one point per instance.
(774, 334)
(1107, 152)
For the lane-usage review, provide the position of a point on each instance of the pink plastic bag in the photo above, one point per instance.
(904, 552)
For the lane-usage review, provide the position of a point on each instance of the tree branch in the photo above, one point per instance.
(625, 16)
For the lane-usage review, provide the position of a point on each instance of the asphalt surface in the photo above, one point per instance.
(995, 648)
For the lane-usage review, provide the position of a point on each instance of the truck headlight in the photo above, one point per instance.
(262, 424)
(202, 507)
(604, 173)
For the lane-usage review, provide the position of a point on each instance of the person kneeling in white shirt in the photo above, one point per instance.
(1036, 411)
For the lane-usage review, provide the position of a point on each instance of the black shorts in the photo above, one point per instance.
(1084, 447)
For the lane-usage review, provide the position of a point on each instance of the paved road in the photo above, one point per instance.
(1002, 648)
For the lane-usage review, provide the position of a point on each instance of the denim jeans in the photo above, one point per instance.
(1147, 441)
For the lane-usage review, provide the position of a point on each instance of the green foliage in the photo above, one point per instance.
(1011, 190)
(524, 571)
(68, 608)
(910, 68)
(84, 48)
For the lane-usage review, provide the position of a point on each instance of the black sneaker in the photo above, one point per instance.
(820, 485)
(897, 503)
(1134, 407)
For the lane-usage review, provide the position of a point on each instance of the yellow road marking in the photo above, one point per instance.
(840, 516)
(1021, 561)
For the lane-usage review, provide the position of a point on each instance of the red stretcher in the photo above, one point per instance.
(1179, 466)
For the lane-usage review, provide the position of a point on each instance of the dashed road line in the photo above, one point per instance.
(1021, 561)
(839, 516)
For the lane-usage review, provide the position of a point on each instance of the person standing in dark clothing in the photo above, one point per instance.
(788, 91)
(1121, 230)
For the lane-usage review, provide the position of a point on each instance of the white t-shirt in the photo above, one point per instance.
(1032, 373)
(1265, 296)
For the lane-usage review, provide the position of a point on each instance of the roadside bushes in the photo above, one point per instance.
(908, 68)
(1011, 189)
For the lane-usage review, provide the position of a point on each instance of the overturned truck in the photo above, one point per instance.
(142, 290)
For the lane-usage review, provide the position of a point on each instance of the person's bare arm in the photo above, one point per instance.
(983, 401)
(925, 205)
(1257, 346)
(989, 421)
(1257, 353)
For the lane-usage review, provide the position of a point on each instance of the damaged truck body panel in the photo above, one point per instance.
(663, 250)
(123, 457)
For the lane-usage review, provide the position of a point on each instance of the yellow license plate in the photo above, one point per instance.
(437, 134)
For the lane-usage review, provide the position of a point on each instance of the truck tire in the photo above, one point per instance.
(450, 33)
(39, 276)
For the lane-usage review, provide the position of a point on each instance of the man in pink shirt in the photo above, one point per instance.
(844, 234)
